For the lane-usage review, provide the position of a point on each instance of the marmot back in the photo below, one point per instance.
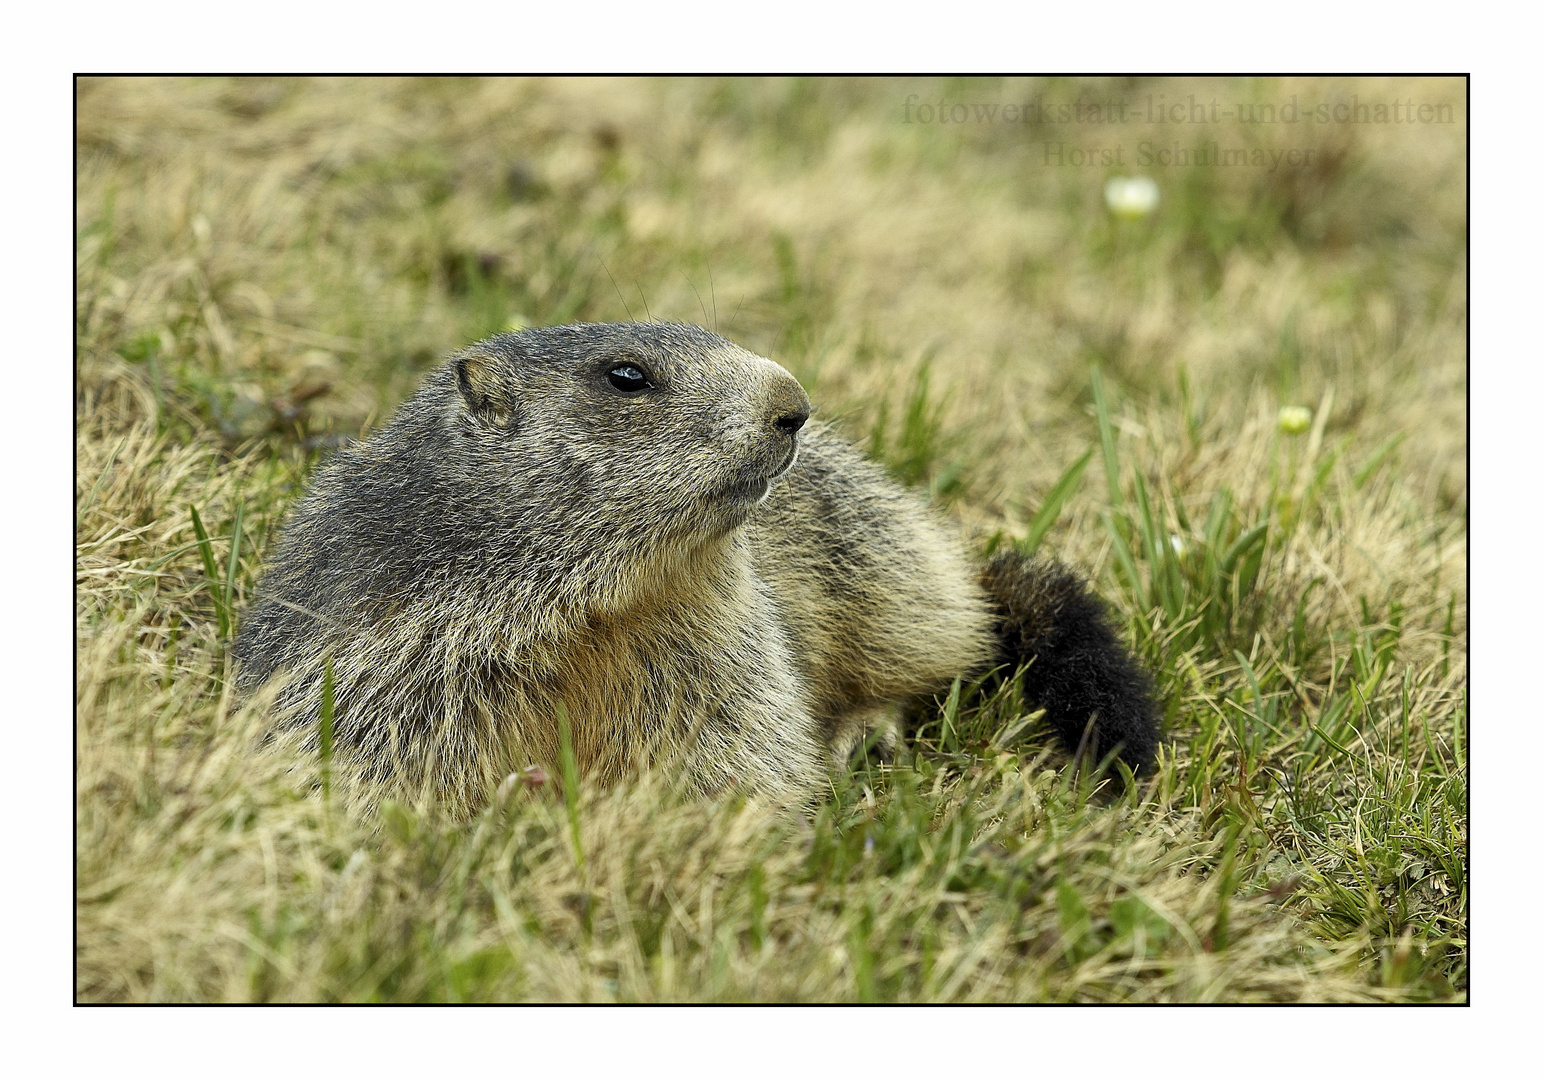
(632, 525)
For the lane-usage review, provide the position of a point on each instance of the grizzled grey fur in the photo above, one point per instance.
(633, 526)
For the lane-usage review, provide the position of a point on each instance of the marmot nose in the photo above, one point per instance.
(789, 422)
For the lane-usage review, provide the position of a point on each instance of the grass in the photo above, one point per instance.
(267, 266)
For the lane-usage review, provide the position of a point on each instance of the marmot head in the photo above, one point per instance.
(636, 430)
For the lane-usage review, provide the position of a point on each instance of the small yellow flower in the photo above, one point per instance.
(1295, 419)
(1131, 196)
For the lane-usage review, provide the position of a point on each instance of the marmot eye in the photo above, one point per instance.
(628, 378)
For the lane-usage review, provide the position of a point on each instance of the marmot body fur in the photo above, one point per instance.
(633, 526)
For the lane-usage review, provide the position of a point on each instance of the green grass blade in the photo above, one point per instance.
(1379, 455)
(1243, 544)
(948, 735)
(1106, 439)
(1055, 498)
(206, 553)
(877, 447)
(569, 764)
(231, 566)
(1126, 561)
(1163, 587)
(1321, 475)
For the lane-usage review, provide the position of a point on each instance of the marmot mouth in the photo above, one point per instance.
(754, 490)
(788, 464)
(750, 491)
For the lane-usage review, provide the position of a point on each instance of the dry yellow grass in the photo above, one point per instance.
(264, 264)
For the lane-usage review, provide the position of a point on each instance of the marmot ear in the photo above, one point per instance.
(487, 393)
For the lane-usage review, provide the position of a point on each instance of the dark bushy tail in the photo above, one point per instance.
(1078, 668)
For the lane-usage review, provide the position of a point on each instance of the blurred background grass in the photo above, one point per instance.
(266, 266)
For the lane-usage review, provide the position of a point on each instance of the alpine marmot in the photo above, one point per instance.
(634, 526)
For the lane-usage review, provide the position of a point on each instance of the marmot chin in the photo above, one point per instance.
(635, 526)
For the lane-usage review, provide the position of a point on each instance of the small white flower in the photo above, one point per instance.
(1131, 196)
(1176, 542)
(1295, 419)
